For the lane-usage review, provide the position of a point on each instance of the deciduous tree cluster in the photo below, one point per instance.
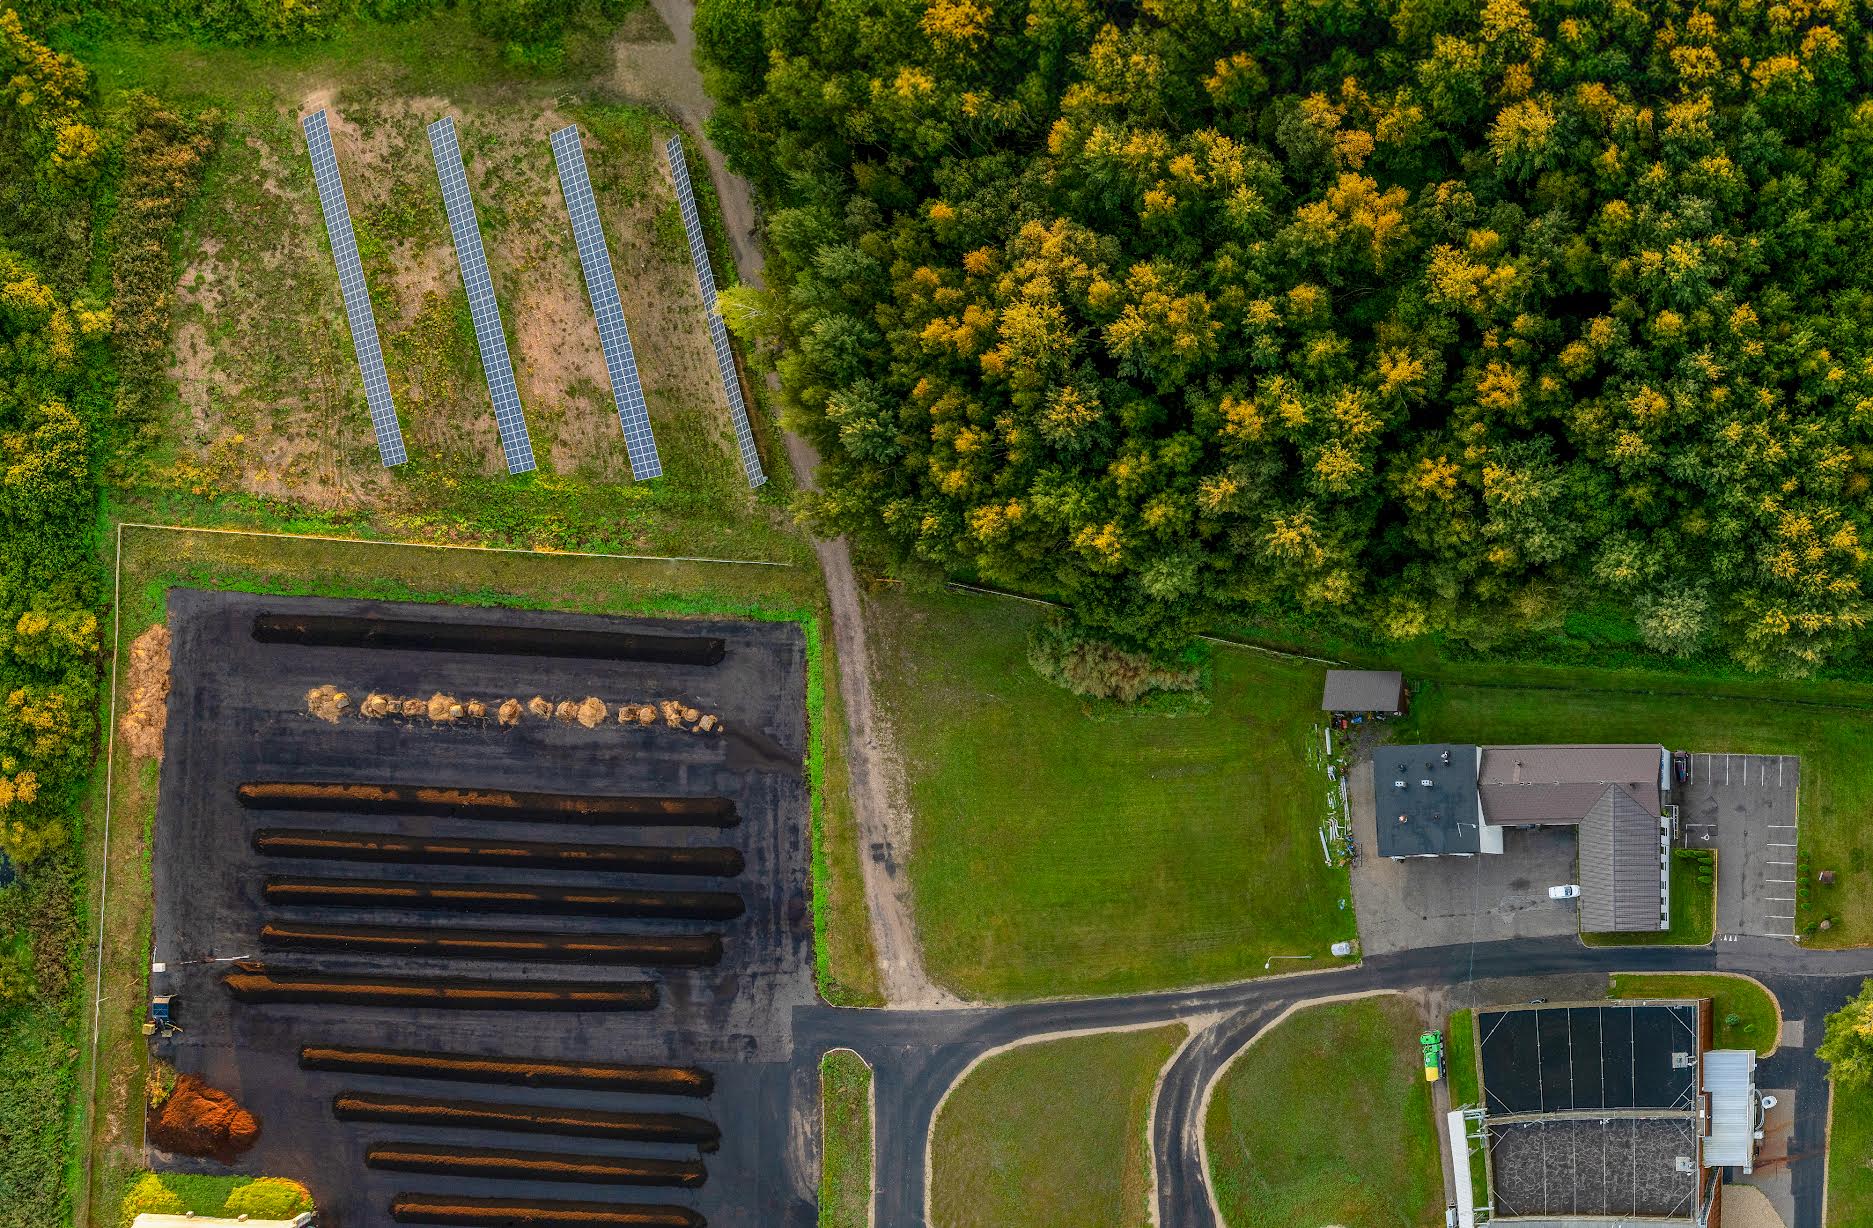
(1417, 316)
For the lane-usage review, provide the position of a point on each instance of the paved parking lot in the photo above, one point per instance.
(1744, 806)
(1440, 901)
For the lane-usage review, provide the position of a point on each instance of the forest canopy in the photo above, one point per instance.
(1399, 316)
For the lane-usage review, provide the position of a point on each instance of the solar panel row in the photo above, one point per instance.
(601, 288)
(718, 332)
(351, 286)
(486, 313)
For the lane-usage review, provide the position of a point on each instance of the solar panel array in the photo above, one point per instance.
(718, 332)
(351, 286)
(495, 363)
(601, 287)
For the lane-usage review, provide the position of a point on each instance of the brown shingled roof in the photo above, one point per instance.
(1560, 784)
(1621, 885)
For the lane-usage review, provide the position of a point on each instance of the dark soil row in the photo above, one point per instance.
(523, 1072)
(526, 1212)
(479, 897)
(443, 802)
(514, 1165)
(650, 950)
(527, 1118)
(484, 639)
(260, 983)
(444, 851)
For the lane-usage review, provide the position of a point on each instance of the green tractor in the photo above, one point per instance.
(1433, 1045)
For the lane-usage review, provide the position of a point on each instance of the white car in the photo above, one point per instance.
(1569, 891)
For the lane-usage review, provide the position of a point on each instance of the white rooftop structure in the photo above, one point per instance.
(1730, 1083)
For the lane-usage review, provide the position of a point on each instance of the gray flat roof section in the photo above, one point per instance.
(1560, 784)
(1425, 800)
(1363, 690)
(1621, 866)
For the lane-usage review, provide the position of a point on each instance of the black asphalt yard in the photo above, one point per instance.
(238, 714)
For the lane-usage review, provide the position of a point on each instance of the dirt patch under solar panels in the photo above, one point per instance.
(308, 630)
(629, 970)
(1558, 1059)
(1596, 1166)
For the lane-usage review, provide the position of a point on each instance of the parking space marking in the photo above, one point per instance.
(1779, 880)
(1775, 845)
(1781, 827)
(1780, 899)
(1781, 863)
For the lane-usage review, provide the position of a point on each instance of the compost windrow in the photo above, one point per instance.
(647, 950)
(502, 898)
(510, 1164)
(520, 1071)
(485, 639)
(513, 805)
(255, 983)
(526, 1118)
(712, 861)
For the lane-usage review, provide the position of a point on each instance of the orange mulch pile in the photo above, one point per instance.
(198, 1120)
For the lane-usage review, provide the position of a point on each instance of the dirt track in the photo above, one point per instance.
(667, 71)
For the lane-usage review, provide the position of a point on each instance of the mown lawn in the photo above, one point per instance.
(1828, 724)
(1693, 911)
(1849, 1147)
(845, 1175)
(1465, 1090)
(1050, 1134)
(1061, 848)
(1740, 998)
(1327, 1120)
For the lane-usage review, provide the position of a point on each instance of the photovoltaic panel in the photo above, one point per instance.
(351, 285)
(718, 332)
(495, 363)
(601, 286)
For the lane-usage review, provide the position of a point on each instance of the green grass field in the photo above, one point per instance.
(1731, 997)
(1327, 1120)
(1829, 724)
(1051, 1134)
(1693, 912)
(1064, 849)
(845, 1175)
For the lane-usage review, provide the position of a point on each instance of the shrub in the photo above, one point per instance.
(1069, 656)
(149, 1196)
(269, 1198)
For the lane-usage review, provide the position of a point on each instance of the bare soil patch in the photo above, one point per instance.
(147, 712)
(198, 1120)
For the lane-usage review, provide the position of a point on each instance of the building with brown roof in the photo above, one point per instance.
(1613, 793)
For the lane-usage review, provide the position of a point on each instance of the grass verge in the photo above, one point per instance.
(845, 1175)
(1460, 1060)
(1069, 848)
(1693, 907)
(268, 1198)
(1327, 1120)
(1051, 1133)
(1746, 1014)
(156, 560)
(1849, 1143)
